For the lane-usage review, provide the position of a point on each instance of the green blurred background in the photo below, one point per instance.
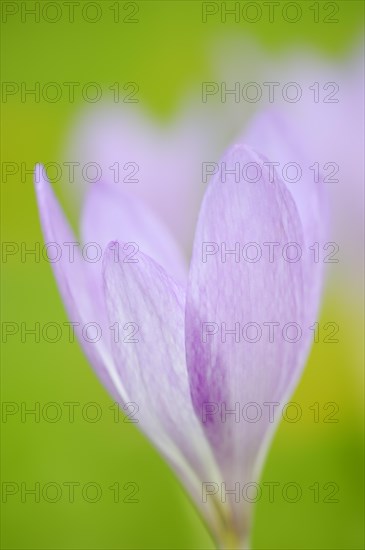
(167, 53)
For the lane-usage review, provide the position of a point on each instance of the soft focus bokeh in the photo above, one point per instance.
(168, 51)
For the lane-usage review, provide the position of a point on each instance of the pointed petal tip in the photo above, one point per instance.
(42, 186)
(39, 175)
(111, 245)
(242, 149)
(115, 252)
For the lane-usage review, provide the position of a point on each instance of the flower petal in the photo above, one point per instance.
(158, 163)
(148, 307)
(274, 135)
(75, 283)
(229, 371)
(112, 214)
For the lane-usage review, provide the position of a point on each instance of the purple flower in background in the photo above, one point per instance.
(198, 356)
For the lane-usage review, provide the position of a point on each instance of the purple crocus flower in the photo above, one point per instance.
(198, 357)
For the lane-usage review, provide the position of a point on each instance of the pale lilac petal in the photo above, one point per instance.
(166, 156)
(148, 306)
(230, 372)
(111, 213)
(81, 299)
(276, 137)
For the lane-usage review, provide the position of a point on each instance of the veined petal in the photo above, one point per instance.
(76, 284)
(148, 306)
(111, 214)
(275, 136)
(255, 295)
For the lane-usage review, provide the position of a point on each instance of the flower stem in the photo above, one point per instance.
(232, 542)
